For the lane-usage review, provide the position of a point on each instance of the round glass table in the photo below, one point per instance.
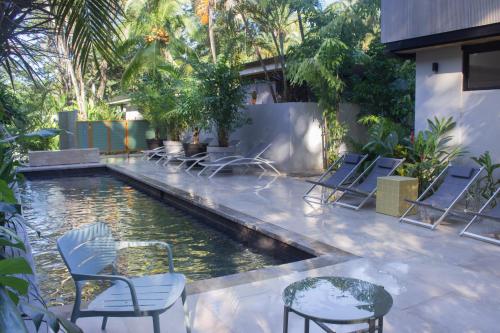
(337, 300)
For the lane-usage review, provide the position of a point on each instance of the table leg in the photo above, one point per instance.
(285, 320)
(306, 325)
(380, 325)
(371, 326)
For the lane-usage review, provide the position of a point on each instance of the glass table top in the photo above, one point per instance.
(337, 299)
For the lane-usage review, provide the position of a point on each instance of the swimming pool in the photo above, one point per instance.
(56, 205)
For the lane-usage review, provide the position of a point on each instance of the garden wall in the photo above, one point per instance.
(113, 136)
(441, 94)
(294, 129)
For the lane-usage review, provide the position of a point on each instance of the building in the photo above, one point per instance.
(456, 44)
(123, 102)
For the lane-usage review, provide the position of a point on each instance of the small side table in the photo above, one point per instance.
(337, 300)
(392, 192)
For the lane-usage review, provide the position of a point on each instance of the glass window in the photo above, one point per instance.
(482, 67)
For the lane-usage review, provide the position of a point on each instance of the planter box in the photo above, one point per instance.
(214, 153)
(191, 149)
(172, 146)
(63, 157)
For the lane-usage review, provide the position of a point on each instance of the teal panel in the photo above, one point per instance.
(100, 136)
(82, 137)
(117, 136)
(138, 132)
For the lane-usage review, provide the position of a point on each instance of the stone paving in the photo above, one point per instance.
(440, 282)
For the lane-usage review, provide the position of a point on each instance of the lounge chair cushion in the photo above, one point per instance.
(461, 171)
(386, 163)
(352, 158)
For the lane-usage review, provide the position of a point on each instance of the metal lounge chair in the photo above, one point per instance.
(149, 154)
(89, 250)
(365, 185)
(193, 160)
(456, 182)
(252, 158)
(341, 171)
(485, 213)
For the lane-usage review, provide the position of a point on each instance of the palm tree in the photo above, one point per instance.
(88, 28)
(204, 9)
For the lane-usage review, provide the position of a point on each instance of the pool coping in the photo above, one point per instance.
(324, 254)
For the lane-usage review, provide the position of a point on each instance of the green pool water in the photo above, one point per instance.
(54, 206)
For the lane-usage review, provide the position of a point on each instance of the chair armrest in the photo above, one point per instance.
(125, 244)
(106, 277)
(228, 157)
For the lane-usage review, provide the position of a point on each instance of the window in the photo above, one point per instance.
(481, 67)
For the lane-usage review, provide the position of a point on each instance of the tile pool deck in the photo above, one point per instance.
(440, 282)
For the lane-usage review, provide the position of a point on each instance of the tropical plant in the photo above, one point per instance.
(13, 266)
(154, 95)
(88, 27)
(384, 136)
(103, 111)
(487, 184)
(222, 95)
(190, 108)
(431, 150)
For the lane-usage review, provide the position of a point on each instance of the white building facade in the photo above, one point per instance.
(456, 45)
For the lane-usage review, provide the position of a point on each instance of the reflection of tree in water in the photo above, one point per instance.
(364, 292)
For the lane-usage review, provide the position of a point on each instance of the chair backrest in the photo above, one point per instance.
(349, 162)
(456, 181)
(257, 150)
(383, 167)
(87, 250)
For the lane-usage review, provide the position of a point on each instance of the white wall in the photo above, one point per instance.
(294, 129)
(264, 95)
(477, 113)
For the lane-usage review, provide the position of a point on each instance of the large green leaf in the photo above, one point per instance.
(15, 265)
(9, 238)
(10, 317)
(18, 284)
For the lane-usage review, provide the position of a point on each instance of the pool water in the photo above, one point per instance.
(54, 206)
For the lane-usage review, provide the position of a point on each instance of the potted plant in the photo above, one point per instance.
(222, 97)
(154, 95)
(190, 109)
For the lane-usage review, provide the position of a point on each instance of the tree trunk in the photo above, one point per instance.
(301, 26)
(280, 48)
(211, 35)
(75, 76)
(103, 80)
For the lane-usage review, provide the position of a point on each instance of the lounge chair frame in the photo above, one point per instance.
(367, 195)
(239, 160)
(321, 200)
(446, 210)
(149, 154)
(480, 214)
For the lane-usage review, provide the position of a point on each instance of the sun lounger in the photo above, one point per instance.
(490, 211)
(452, 183)
(365, 186)
(340, 172)
(252, 158)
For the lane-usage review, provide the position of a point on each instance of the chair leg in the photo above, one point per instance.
(156, 323)
(187, 319)
(104, 322)
(76, 306)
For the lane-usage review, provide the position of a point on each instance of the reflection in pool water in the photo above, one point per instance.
(54, 206)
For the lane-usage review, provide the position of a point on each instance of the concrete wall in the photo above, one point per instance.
(477, 113)
(294, 129)
(405, 19)
(67, 122)
(60, 157)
